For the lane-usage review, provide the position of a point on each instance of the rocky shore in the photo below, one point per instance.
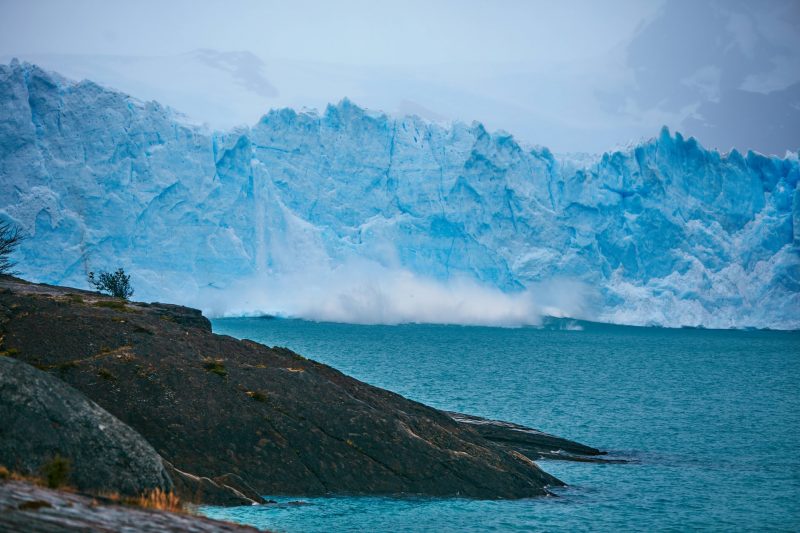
(28, 507)
(532, 442)
(137, 396)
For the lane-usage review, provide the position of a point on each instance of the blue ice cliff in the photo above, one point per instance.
(360, 216)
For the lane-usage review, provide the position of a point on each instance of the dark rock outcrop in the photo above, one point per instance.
(240, 487)
(225, 490)
(214, 405)
(43, 417)
(185, 316)
(27, 507)
(532, 442)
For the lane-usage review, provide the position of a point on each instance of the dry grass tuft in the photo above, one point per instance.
(159, 500)
(215, 366)
(119, 305)
(13, 475)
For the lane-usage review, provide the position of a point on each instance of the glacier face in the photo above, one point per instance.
(355, 215)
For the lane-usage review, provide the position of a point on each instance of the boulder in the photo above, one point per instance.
(44, 418)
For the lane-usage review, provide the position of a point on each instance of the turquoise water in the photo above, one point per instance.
(711, 418)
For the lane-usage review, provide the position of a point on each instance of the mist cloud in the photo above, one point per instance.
(368, 293)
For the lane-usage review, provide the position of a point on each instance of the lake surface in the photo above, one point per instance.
(711, 419)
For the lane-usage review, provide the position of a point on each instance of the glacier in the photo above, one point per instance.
(355, 215)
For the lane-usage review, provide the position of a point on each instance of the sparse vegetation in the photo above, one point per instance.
(66, 365)
(56, 472)
(106, 374)
(117, 284)
(11, 352)
(13, 475)
(152, 499)
(158, 499)
(10, 238)
(112, 304)
(257, 396)
(215, 366)
(126, 357)
(61, 367)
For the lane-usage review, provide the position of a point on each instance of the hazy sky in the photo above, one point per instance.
(572, 75)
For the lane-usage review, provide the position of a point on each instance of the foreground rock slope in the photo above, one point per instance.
(30, 508)
(213, 405)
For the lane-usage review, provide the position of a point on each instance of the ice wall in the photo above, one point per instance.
(355, 215)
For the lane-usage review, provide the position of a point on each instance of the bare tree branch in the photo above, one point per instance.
(10, 238)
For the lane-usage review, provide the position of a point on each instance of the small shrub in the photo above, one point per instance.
(4, 472)
(11, 352)
(56, 471)
(106, 374)
(257, 396)
(117, 284)
(74, 298)
(215, 366)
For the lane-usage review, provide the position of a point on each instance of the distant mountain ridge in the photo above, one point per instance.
(664, 233)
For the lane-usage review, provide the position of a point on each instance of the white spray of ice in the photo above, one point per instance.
(367, 293)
